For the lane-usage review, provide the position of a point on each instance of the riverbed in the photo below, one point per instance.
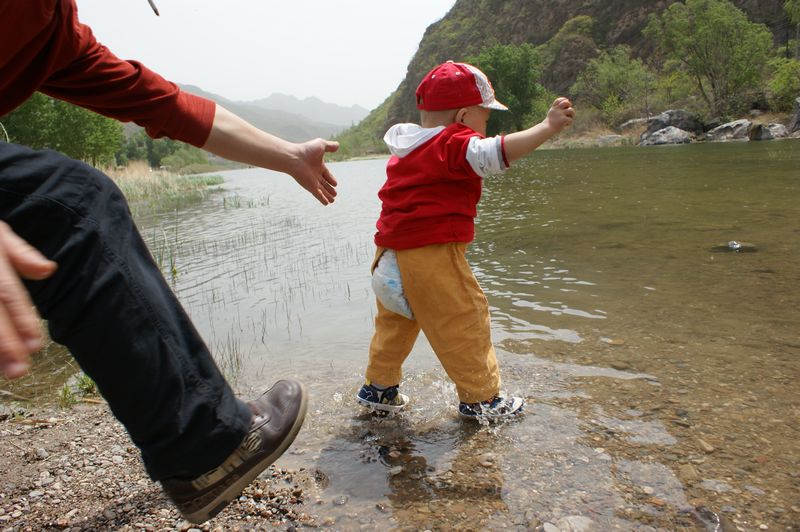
(645, 302)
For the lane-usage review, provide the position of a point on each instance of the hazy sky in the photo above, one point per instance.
(344, 51)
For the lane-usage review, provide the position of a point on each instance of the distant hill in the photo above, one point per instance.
(313, 109)
(291, 126)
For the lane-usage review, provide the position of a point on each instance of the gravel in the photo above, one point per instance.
(76, 469)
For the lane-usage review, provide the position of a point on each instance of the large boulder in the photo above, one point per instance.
(678, 118)
(768, 132)
(667, 135)
(737, 130)
(794, 123)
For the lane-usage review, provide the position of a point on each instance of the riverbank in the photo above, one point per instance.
(76, 469)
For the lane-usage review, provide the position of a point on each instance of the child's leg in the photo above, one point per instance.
(392, 341)
(452, 310)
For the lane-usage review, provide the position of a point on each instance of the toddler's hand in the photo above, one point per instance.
(560, 114)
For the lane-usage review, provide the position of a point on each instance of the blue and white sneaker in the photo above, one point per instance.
(385, 400)
(494, 409)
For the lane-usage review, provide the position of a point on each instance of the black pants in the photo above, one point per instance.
(109, 304)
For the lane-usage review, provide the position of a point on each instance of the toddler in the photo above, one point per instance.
(420, 273)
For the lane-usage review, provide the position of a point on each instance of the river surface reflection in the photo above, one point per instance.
(660, 371)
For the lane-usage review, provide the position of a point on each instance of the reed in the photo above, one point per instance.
(140, 183)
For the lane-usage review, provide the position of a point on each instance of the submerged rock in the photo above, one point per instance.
(735, 247)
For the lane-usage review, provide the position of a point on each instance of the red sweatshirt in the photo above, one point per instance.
(44, 47)
(431, 194)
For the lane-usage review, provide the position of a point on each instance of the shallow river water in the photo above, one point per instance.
(660, 369)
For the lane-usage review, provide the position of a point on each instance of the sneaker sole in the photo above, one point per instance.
(491, 418)
(383, 407)
(519, 411)
(235, 490)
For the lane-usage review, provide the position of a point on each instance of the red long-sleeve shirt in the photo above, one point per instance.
(44, 47)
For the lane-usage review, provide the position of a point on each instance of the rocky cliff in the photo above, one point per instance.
(474, 24)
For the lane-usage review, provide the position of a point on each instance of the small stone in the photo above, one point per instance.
(688, 472)
(612, 341)
(41, 454)
(550, 527)
(396, 470)
(705, 446)
(35, 494)
(109, 514)
(575, 523)
(340, 500)
(648, 490)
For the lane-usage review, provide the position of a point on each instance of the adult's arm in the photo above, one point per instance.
(233, 138)
(20, 333)
(89, 75)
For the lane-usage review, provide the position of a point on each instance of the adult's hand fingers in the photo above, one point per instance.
(20, 333)
(314, 174)
(24, 258)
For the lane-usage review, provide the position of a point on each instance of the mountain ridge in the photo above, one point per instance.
(292, 126)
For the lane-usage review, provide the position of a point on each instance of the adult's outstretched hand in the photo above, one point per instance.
(20, 328)
(310, 171)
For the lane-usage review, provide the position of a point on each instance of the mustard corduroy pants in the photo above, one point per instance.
(451, 309)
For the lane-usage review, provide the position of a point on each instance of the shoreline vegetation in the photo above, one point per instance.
(588, 131)
(140, 183)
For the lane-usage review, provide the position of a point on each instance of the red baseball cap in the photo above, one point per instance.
(455, 85)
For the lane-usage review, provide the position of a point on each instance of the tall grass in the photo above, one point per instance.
(142, 184)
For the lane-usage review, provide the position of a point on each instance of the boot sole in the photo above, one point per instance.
(235, 490)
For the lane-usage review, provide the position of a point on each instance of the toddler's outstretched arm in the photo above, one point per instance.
(522, 143)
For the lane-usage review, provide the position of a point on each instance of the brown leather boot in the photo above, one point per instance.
(277, 417)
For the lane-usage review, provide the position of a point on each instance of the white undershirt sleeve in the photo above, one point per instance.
(485, 156)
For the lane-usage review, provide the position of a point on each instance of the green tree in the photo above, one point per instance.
(784, 87)
(718, 46)
(185, 157)
(31, 123)
(514, 72)
(157, 149)
(792, 8)
(616, 84)
(42, 122)
(83, 134)
(132, 148)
